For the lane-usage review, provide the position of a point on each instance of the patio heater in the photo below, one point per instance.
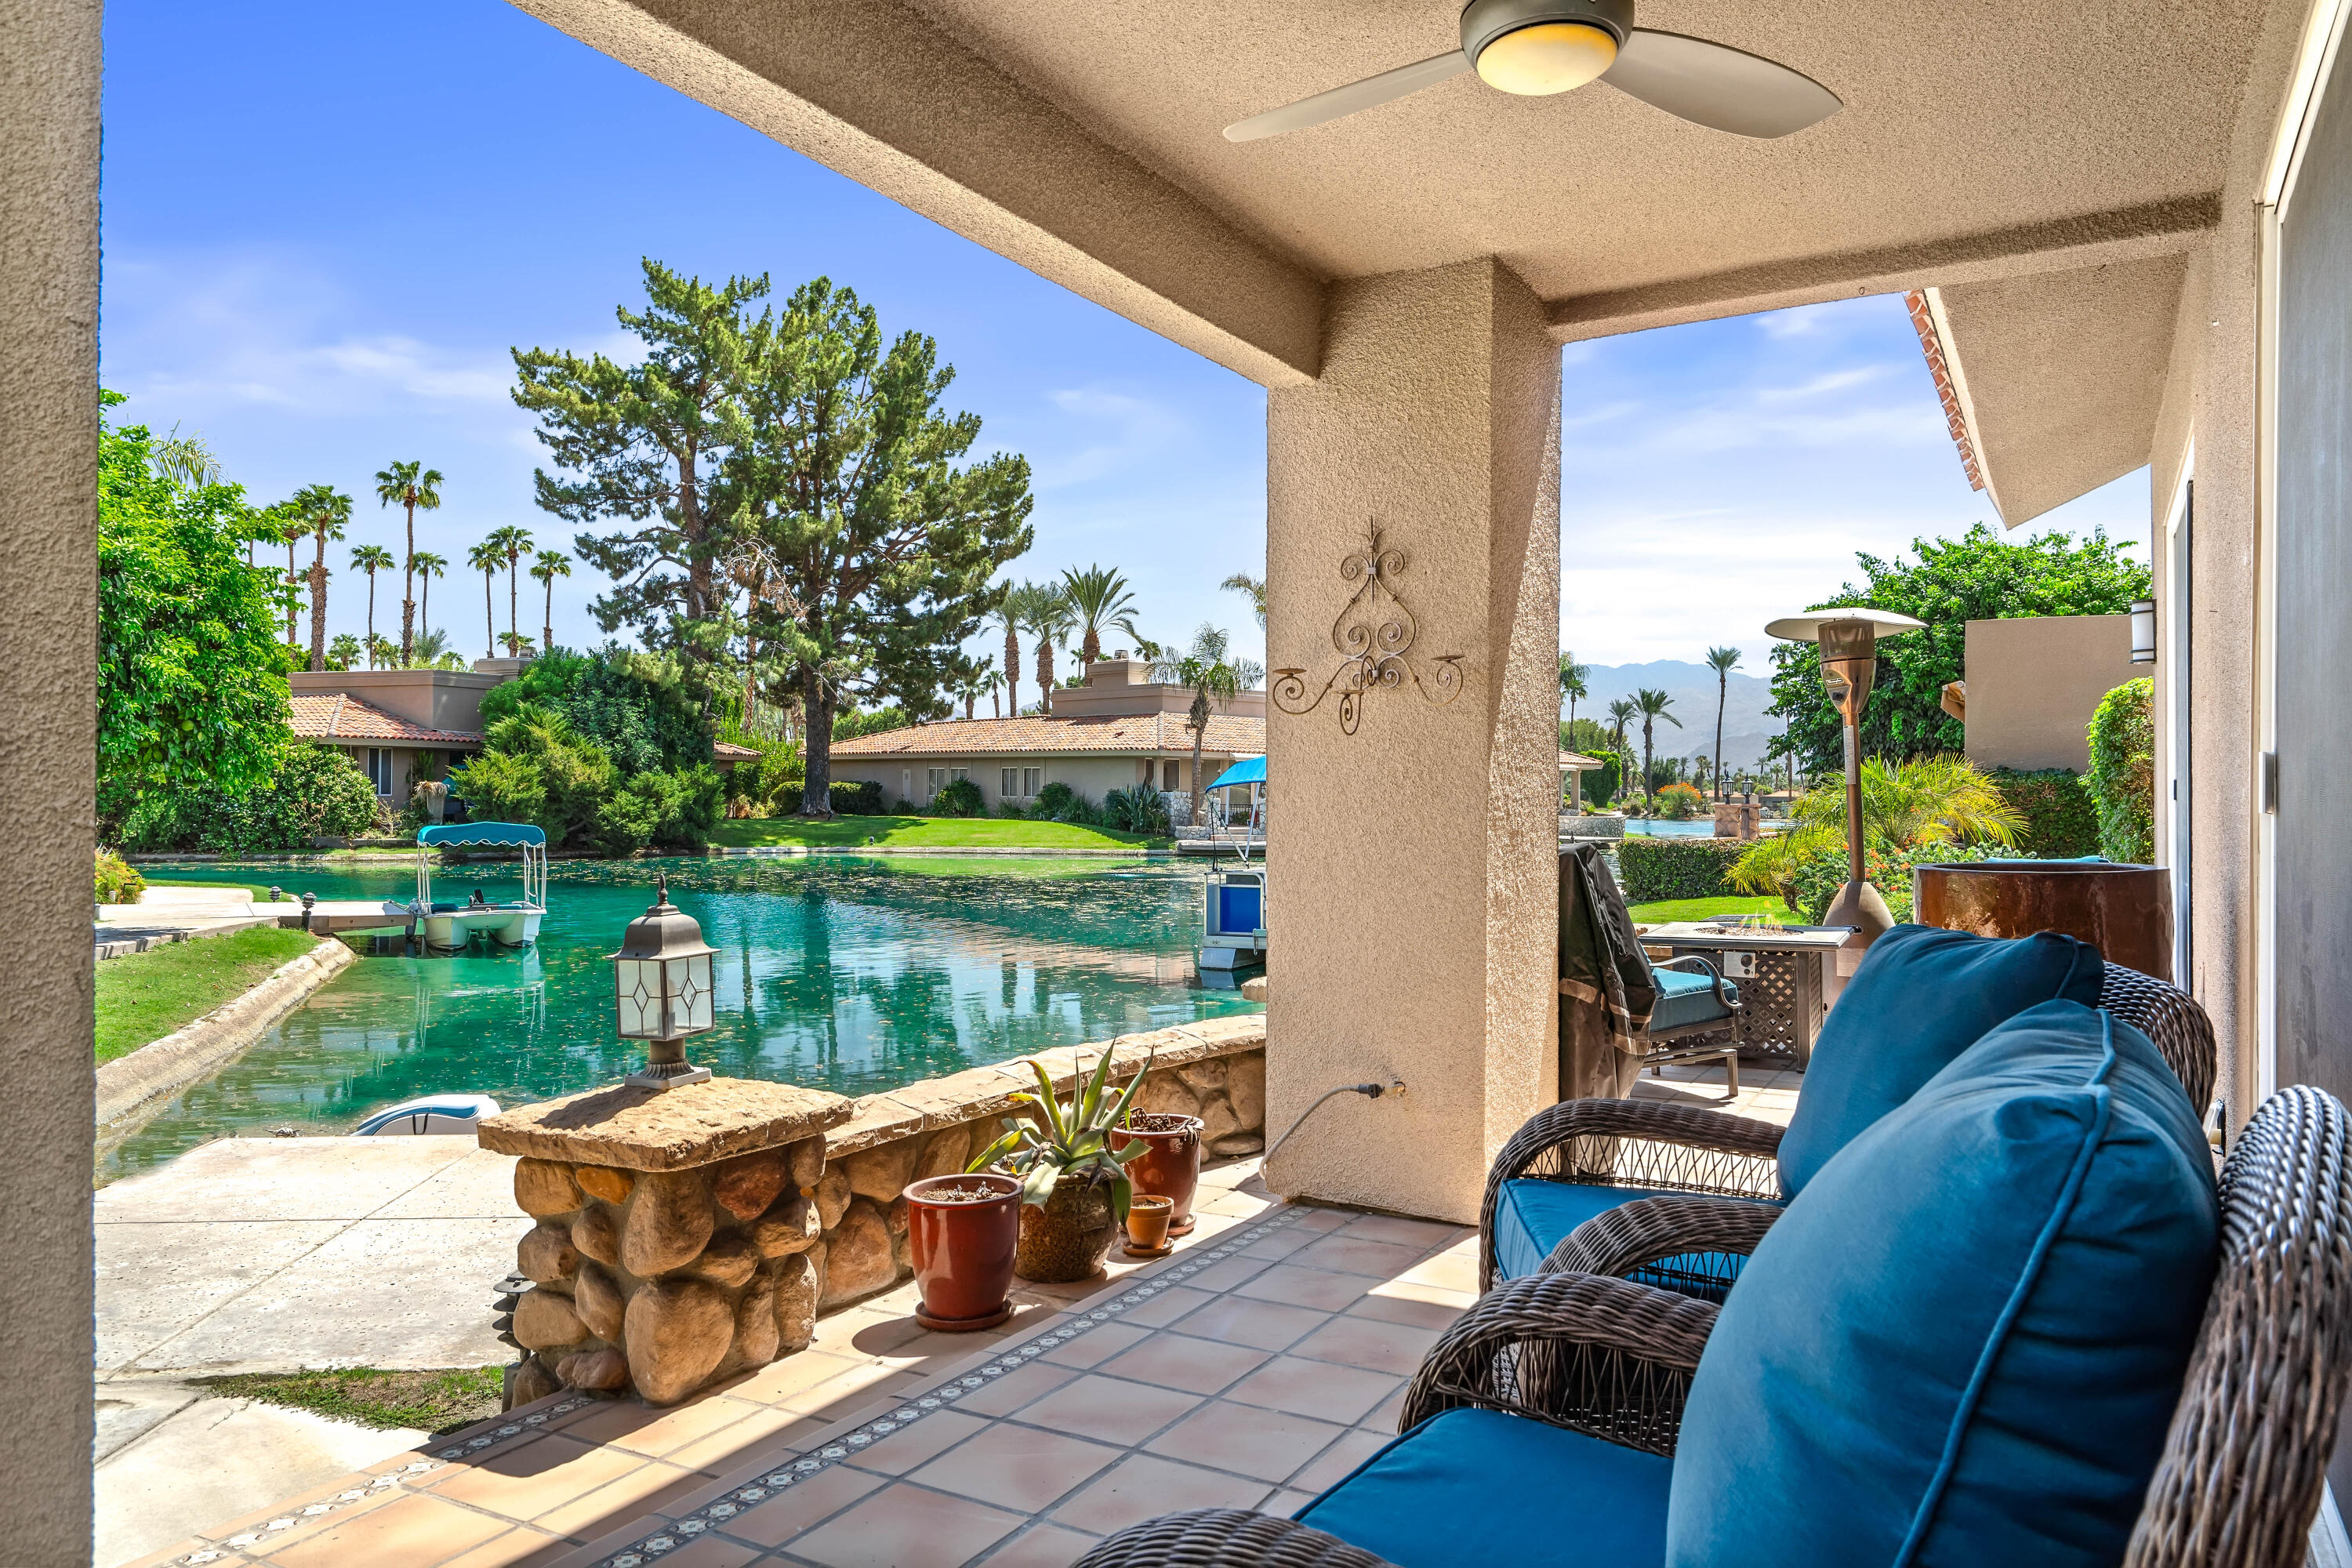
(661, 984)
(1848, 639)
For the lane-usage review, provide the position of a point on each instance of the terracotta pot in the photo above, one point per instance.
(2125, 912)
(1068, 1237)
(1171, 1168)
(963, 1250)
(1147, 1223)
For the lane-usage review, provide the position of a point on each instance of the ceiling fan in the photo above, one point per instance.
(1538, 48)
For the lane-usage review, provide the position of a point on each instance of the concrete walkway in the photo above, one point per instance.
(175, 914)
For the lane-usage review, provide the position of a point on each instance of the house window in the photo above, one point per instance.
(956, 775)
(936, 780)
(1168, 771)
(1008, 784)
(379, 769)
(1032, 781)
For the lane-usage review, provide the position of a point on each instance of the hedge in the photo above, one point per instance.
(1660, 868)
(2123, 772)
(859, 799)
(2062, 823)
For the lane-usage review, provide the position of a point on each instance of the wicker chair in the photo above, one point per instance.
(1647, 1143)
(2237, 1486)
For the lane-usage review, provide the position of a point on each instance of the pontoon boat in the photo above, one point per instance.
(450, 924)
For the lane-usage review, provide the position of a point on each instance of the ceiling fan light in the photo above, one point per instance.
(1546, 58)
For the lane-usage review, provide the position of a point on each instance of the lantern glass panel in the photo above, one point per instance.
(688, 984)
(637, 990)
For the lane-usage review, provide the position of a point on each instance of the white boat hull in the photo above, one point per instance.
(433, 1114)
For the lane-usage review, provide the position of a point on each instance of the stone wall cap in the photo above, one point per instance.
(878, 1119)
(665, 1129)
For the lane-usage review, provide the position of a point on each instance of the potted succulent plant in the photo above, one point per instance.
(1162, 1150)
(1073, 1187)
(963, 1231)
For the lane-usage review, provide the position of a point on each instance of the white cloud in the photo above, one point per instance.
(1112, 432)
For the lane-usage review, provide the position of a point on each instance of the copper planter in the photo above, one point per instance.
(1171, 1165)
(2125, 912)
(963, 1250)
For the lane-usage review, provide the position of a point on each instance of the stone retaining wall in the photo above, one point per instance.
(1214, 1070)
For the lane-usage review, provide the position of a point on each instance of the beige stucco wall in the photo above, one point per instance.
(2034, 682)
(49, 59)
(437, 699)
(1419, 853)
(908, 777)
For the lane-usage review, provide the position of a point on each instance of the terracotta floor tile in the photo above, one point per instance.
(1224, 1275)
(1248, 1441)
(1280, 1244)
(927, 1440)
(1196, 1366)
(673, 1428)
(1097, 1345)
(1421, 1234)
(650, 1489)
(1043, 1546)
(907, 1527)
(254, 1532)
(766, 1435)
(1167, 1307)
(1386, 1417)
(859, 1386)
(1144, 1486)
(1423, 1306)
(1232, 1205)
(1298, 1286)
(1347, 1255)
(1335, 1464)
(1110, 1409)
(1455, 1268)
(1018, 1466)
(1285, 1503)
(1015, 1389)
(172, 1554)
(1322, 1389)
(1368, 1342)
(712, 1552)
(534, 1478)
(827, 1492)
(792, 1374)
(408, 1533)
(521, 1547)
(1260, 1325)
(1321, 1219)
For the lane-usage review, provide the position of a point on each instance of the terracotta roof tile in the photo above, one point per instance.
(338, 716)
(1134, 734)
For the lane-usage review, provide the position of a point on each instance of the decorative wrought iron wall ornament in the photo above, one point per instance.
(1373, 635)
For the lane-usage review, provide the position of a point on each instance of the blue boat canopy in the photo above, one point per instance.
(521, 833)
(1249, 770)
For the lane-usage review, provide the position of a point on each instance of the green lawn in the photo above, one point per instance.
(145, 995)
(436, 1401)
(221, 887)
(1709, 908)
(924, 833)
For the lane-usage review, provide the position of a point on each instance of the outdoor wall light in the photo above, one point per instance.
(1546, 59)
(661, 983)
(1848, 639)
(2143, 617)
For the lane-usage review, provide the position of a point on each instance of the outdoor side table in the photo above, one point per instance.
(1782, 975)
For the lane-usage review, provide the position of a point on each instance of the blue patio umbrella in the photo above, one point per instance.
(1249, 770)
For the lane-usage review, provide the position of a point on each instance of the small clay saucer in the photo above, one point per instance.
(1162, 1250)
(1183, 1226)
(963, 1325)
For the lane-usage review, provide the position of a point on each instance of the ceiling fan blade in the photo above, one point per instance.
(1385, 88)
(1717, 86)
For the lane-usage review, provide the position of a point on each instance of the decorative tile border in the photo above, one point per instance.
(683, 1531)
(505, 1432)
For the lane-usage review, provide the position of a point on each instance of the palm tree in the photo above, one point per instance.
(486, 558)
(284, 521)
(550, 565)
(1214, 679)
(1009, 615)
(1251, 588)
(430, 645)
(426, 566)
(1621, 714)
(1651, 704)
(979, 677)
(185, 459)
(1722, 660)
(1097, 597)
(1911, 805)
(514, 542)
(1572, 677)
(381, 653)
(408, 485)
(1050, 620)
(343, 652)
(371, 558)
(325, 512)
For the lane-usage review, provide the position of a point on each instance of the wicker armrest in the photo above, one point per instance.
(1632, 1142)
(1606, 1357)
(1634, 1234)
(1226, 1537)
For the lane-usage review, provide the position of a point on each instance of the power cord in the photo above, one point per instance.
(1369, 1090)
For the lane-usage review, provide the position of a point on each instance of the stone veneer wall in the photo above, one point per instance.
(1214, 1070)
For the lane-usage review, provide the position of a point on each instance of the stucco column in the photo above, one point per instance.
(1413, 867)
(48, 642)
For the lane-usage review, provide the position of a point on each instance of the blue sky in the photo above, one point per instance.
(325, 226)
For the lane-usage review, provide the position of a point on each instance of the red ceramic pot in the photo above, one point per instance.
(963, 1249)
(1171, 1165)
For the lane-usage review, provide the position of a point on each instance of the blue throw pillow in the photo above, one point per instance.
(1963, 1343)
(1921, 997)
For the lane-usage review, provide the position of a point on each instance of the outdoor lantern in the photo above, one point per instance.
(661, 985)
(2143, 615)
(1849, 643)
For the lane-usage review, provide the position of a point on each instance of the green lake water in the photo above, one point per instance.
(848, 975)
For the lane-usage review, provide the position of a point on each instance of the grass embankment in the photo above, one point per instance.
(923, 833)
(436, 1401)
(143, 996)
(1710, 908)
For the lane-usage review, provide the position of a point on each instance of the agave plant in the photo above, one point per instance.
(1074, 1142)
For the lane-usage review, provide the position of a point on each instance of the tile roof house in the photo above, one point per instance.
(395, 749)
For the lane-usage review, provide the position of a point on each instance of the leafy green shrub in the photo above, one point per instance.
(631, 706)
(1660, 868)
(1057, 802)
(762, 780)
(852, 725)
(856, 798)
(2061, 821)
(1137, 808)
(1680, 802)
(1821, 873)
(961, 798)
(117, 881)
(313, 792)
(683, 805)
(2123, 772)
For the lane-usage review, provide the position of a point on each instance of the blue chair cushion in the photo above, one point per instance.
(1685, 997)
(1532, 1217)
(1963, 1343)
(1921, 997)
(1473, 1488)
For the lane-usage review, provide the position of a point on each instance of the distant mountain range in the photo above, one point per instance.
(1746, 728)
